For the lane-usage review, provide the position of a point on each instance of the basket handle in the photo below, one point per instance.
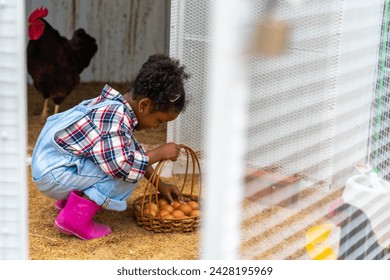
(195, 163)
(154, 180)
(152, 183)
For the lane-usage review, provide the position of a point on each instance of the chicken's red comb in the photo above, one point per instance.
(38, 13)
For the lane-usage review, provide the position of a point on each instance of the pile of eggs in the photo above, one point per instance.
(175, 211)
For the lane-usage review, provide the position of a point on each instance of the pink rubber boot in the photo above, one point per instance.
(60, 204)
(76, 218)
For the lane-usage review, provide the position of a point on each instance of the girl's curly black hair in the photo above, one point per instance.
(161, 79)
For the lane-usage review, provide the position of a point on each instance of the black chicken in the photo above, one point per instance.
(54, 62)
(357, 239)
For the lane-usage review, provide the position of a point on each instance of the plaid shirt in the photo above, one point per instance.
(105, 135)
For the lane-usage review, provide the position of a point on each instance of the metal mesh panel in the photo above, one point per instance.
(307, 113)
(292, 96)
(380, 124)
(190, 42)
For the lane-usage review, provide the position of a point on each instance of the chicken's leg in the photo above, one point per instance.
(45, 109)
(56, 109)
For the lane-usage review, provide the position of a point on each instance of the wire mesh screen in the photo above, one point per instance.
(190, 41)
(310, 111)
(380, 124)
(290, 130)
(292, 96)
(308, 118)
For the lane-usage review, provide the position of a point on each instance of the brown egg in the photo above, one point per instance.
(168, 217)
(162, 201)
(169, 208)
(195, 213)
(150, 212)
(185, 208)
(194, 205)
(176, 204)
(152, 206)
(164, 212)
(178, 214)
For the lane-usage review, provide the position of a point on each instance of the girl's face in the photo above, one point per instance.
(147, 119)
(154, 119)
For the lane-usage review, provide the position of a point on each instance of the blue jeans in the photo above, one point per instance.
(57, 172)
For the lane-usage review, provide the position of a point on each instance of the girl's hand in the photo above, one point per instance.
(169, 151)
(167, 190)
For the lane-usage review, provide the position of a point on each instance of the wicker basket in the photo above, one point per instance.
(156, 223)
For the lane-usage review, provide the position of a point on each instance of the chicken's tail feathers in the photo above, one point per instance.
(38, 13)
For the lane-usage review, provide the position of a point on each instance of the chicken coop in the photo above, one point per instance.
(285, 100)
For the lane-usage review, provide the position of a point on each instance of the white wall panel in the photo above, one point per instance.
(13, 167)
(127, 32)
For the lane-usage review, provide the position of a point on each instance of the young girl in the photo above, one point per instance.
(87, 157)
